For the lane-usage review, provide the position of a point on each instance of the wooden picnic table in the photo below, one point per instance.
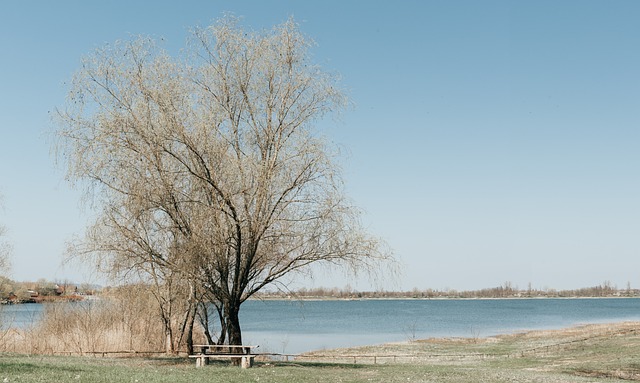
(224, 351)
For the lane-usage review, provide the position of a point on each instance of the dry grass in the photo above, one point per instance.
(104, 326)
(602, 351)
(86, 327)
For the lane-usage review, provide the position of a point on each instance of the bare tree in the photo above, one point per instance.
(5, 248)
(211, 166)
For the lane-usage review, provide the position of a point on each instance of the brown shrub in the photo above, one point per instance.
(111, 324)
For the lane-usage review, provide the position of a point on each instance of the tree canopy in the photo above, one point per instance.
(209, 168)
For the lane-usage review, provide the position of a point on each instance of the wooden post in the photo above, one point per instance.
(247, 361)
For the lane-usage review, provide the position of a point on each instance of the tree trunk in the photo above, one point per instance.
(190, 332)
(168, 332)
(223, 323)
(168, 336)
(203, 317)
(234, 332)
(231, 311)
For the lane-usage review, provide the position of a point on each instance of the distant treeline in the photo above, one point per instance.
(504, 291)
(42, 290)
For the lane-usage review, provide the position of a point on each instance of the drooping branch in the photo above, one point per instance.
(209, 168)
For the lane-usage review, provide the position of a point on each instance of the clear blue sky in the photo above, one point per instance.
(490, 141)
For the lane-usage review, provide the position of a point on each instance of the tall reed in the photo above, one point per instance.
(106, 325)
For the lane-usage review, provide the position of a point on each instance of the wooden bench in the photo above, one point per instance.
(223, 351)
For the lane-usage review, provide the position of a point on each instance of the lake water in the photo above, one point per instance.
(21, 316)
(293, 326)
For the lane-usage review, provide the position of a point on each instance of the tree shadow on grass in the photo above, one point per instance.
(168, 360)
(350, 366)
(28, 368)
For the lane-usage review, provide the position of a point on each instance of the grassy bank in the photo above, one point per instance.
(593, 353)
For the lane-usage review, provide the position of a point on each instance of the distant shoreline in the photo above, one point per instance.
(506, 291)
(311, 298)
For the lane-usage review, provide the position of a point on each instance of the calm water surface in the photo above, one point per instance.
(21, 316)
(294, 326)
